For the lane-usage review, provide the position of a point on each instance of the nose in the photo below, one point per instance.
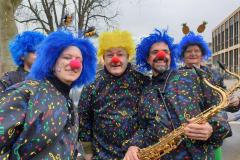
(161, 55)
(115, 60)
(75, 64)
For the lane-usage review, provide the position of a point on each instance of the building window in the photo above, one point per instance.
(222, 58)
(222, 37)
(226, 34)
(231, 32)
(236, 23)
(226, 59)
(213, 42)
(219, 39)
(236, 68)
(231, 60)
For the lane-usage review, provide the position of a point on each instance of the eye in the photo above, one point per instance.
(120, 54)
(67, 57)
(110, 55)
(79, 58)
(166, 51)
(153, 52)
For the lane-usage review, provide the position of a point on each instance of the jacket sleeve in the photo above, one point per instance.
(218, 80)
(221, 128)
(86, 119)
(12, 117)
(5, 81)
(151, 122)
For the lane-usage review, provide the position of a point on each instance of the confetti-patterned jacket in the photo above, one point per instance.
(165, 106)
(217, 79)
(12, 77)
(108, 112)
(35, 122)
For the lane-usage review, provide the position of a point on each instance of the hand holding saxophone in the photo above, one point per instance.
(196, 131)
(233, 100)
(132, 153)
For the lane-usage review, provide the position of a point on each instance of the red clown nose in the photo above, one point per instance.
(115, 60)
(75, 64)
(161, 55)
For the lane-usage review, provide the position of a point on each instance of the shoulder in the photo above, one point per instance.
(9, 75)
(185, 76)
(27, 86)
(139, 77)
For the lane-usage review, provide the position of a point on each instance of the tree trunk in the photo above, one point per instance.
(8, 30)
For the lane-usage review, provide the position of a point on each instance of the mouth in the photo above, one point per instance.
(73, 70)
(160, 62)
(115, 65)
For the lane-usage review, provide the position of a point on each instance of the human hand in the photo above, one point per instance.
(233, 100)
(88, 156)
(198, 131)
(132, 153)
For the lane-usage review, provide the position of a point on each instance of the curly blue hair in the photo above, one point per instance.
(53, 46)
(22, 44)
(142, 51)
(192, 39)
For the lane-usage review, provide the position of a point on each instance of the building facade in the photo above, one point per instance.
(226, 42)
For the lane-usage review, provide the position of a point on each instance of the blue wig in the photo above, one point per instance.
(23, 44)
(192, 39)
(53, 46)
(142, 51)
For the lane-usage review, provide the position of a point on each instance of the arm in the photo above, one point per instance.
(85, 119)
(217, 128)
(5, 82)
(12, 117)
(151, 126)
(218, 80)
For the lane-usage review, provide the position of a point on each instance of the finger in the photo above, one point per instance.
(205, 132)
(135, 156)
(199, 138)
(191, 120)
(195, 126)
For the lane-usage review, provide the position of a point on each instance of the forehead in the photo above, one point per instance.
(159, 46)
(116, 50)
(193, 47)
(73, 51)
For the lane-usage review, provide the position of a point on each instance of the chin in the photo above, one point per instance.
(117, 73)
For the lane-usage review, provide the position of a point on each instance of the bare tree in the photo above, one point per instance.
(7, 30)
(49, 15)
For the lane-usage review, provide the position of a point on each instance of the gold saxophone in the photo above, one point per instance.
(171, 141)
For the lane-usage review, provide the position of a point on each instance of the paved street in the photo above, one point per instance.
(231, 146)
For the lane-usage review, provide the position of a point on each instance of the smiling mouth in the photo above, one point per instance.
(116, 65)
(73, 71)
(160, 62)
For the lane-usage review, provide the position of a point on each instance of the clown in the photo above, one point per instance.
(108, 107)
(38, 119)
(22, 49)
(193, 50)
(172, 99)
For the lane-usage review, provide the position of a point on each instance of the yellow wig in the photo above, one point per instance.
(116, 39)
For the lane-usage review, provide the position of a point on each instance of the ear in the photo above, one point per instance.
(149, 59)
(101, 59)
(22, 58)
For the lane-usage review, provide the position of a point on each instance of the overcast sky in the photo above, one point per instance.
(140, 17)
